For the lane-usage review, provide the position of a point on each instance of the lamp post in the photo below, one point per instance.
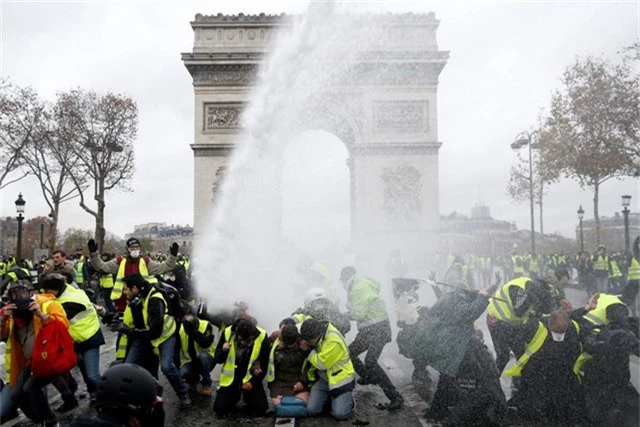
(20, 209)
(526, 138)
(626, 201)
(580, 216)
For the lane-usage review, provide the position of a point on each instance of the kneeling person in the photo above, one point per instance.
(196, 352)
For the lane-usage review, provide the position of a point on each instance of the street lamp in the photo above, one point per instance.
(20, 210)
(626, 201)
(580, 216)
(526, 138)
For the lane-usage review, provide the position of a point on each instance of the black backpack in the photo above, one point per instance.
(172, 297)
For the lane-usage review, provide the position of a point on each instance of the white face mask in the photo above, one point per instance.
(557, 336)
(134, 254)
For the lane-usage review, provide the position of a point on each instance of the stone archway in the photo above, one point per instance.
(388, 121)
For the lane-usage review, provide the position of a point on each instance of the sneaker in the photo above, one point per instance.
(206, 391)
(67, 406)
(185, 401)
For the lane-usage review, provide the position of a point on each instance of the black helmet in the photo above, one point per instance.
(126, 387)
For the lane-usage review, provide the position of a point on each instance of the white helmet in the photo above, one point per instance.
(314, 294)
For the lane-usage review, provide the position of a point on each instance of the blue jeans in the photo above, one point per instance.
(320, 400)
(8, 409)
(169, 368)
(89, 364)
(192, 372)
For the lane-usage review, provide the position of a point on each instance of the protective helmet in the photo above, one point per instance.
(314, 294)
(126, 387)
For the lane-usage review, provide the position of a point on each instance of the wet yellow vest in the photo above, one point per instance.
(184, 344)
(503, 310)
(229, 367)
(598, 316)
(340, 371)
(634, 270)
(85, 324)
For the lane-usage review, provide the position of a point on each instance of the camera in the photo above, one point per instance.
(22, 303)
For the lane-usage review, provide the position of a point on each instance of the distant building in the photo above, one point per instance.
(162, 236)
(482, 234)
(611, 232)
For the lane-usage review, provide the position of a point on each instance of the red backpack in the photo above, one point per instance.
(53, 352)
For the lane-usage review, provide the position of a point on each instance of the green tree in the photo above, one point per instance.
(591, 132)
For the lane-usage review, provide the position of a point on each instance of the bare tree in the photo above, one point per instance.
(20, 113)
(518, 185)
(591, 132)
(101, 131)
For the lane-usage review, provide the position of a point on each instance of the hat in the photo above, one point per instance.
(132, 241)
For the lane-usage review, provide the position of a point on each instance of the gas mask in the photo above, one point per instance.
(22, 307)
(134, 253)
(558, 336)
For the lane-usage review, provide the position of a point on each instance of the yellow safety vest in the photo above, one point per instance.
(106, 281)
(168, 328)
(534, 265)
(78, 269)
(185, 357)
(518, 264)
(336, 361)
(271, 372)
(601, 263)
(503, 310)
(144, 272)
(85, 324)
(614, 272)
(598, 316)
(229, 367)
(634, 270)
(532, 347)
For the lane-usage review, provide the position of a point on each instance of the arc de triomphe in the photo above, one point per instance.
(390, 132)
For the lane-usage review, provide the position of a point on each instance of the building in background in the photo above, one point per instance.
(161, 236)
(611, 232)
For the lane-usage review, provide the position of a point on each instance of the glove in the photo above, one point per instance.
(93, 247)
(174, 249)
(117, 325)
(107, 319)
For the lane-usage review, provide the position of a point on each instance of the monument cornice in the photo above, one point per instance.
(396, 148)
(212, 150)
(408, 18)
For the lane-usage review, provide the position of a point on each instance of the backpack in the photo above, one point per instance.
(173, 299)
(53, 351)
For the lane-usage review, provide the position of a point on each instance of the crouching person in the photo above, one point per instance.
(22, 319)
(243, 351)
(196, 353)
(287, 383)
(331, 368)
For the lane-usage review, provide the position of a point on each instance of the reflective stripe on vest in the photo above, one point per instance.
(229, 367)
(601, 263)
(532, 346)
(85, 324)
(142, 269)
(614, 272)
(598, 316)
(341, 372)
(503, 310)
(634, 270)
(271, 372)
(185, 357)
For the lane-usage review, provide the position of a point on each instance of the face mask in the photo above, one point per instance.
(557, 336)
(134, 254)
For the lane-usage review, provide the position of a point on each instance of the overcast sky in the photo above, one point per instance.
(506, 58)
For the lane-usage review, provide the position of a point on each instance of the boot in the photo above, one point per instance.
(67, 405)
(396, 402)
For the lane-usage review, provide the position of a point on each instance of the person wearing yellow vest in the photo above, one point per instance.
(243, 352)
(600, 265)
(610, 398)
(196, 353)
(21, 322)
(149, 332)
(79, 268)
(630, 291)
(517, 265)
(549, 393)
(107, 281)
(331, 370)
(367, 308)
(615, 276)
(133, 263)
(316, 275)
(514, 303)
(87, 337)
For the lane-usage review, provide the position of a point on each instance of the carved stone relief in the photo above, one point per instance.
(401, 116)
(222, 116)
(224, 75)
(402, 193)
